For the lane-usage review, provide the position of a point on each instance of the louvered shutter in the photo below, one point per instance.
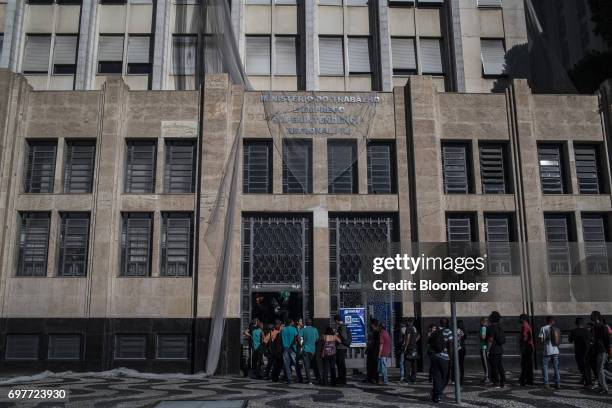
(551, 170)
(381, 164)
(140, 167)
(36, 55)
(403, 54)
(594, 228)
(64, 347)
(498, 235)
(74, 239)
(136, 245)
(356, 2)
(180, 166)
(587, 169)
(79, 167)
(40, 167)
(1, 43)
(22, 347)
(110, 48)
(286, 60)
(258, 55)
(173, 346)
(455, 169)
(557, 239)
(489, 3)
(493, 57)
(184, 55)
(33, 244)
(257, 167)
(65, 49)
(492, 170)
(341, 167)
(431, 56)
(459, 228)
(331, 57)
(176, 245)
(330, 2)
(430, 2)
(138, 49)
(297, 166)
(359, 55)
(130, 346)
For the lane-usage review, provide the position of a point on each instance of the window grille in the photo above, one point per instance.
(130, 346)
(557, 238)
(257, 167)
(22, 347)
(79, 167)
(64, 347)
(587, 169)
(492, 169)
(297, 166)
(455, 168)
(381, 168)
(499, 235)
(459, 228)
(179, 170)
(140, 166)
(40, 167)
(594, 231)
(551, 169)
(74, 240)
(136, 244)
(33, 244)
(172, 346)
(342, 167)
(176, 244)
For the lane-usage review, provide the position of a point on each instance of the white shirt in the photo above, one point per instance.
(545, 336)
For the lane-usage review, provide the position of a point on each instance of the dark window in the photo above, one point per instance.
(74, 239)
(498, 229)
(493, 169)
(176, 244)
(136, 244)
(460, 228)
(130, 346)
(40, 167)
(64, 347)
(455, 168)
(297, 166)
(33, 244)
(140, 166)
(257, 167)
(22, 347)
(551, 169)
(381, 167)
(595, 235)
(173, 346)
(179, 174)
(587, 169)
(79, 167)
(342, 167)
(558, 238)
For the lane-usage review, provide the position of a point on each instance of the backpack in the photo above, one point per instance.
(436, 341)
(329, 349)
(554, 335)
(499, 337)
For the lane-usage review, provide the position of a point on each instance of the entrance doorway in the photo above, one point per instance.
(282, 305)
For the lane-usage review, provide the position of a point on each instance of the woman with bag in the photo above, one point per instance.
(328, 354)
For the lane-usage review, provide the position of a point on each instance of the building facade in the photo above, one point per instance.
(326, 45)
(114, 230)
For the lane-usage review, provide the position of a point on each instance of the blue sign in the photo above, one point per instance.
(355, 320)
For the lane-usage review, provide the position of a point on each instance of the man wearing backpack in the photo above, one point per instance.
(440, 345)
(602, 349)
(341, 349)
(496, 338)
(550, 337)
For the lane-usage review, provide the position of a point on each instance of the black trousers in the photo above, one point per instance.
(329, 367)
(372, 367)
(526, 377)
(410, 369)
(257, 361)
(341, 364)
(439, 376)
(498, 374)
(310, 363)
(584, 366)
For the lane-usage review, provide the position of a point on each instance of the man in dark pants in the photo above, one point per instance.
(341, 350)
(440, 345)
(582, 337)
(495, 340)
(372, 351)
(527, 348)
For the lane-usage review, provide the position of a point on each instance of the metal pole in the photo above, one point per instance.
(456, 353)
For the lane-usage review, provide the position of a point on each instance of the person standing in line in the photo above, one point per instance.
(484, 359)
(440, 343)
(329, 352)
(384, 354)
(581, 337)
(258, 348)
(289, 336)
(310, 336)
(550, 337)
(275, 363)
(461, 335)
(342, 349)
(401, 349)
(527, 348)
(372, 349)
(496, 338)
(430, 330)
(410, 350)
(602, 349)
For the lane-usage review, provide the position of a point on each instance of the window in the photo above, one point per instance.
(130, 347)
(286, 55)
(64, 347)
(257, 167)
(40, 167)
(460, 228)
(74, 240)
(136, 244)
(179, 172)
(489, 3)
(331, 56)
(297, 166)
(258, 55)
(455, 168)
(587, 169)
(557, 239)
(176, 244)
(33, 244)
(138, 60)
(64, 54)
(359, 55)
(498, 230)
(342, 167)
(595, 235)
(22, 347)
(493, 170)
(172, 346)
(79, 166)
(184, 54)
(110, 54)
(551, 169)
(140, 166)
(493, 55)
(1, 43)
(431, 56)
(403, 54)
(36, 54)
(381, 167)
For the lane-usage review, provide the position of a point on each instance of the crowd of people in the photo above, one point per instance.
(293, 345)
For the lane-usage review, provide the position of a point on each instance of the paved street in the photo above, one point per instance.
(95, 390)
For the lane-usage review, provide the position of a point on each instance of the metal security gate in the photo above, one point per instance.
(276, 257)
